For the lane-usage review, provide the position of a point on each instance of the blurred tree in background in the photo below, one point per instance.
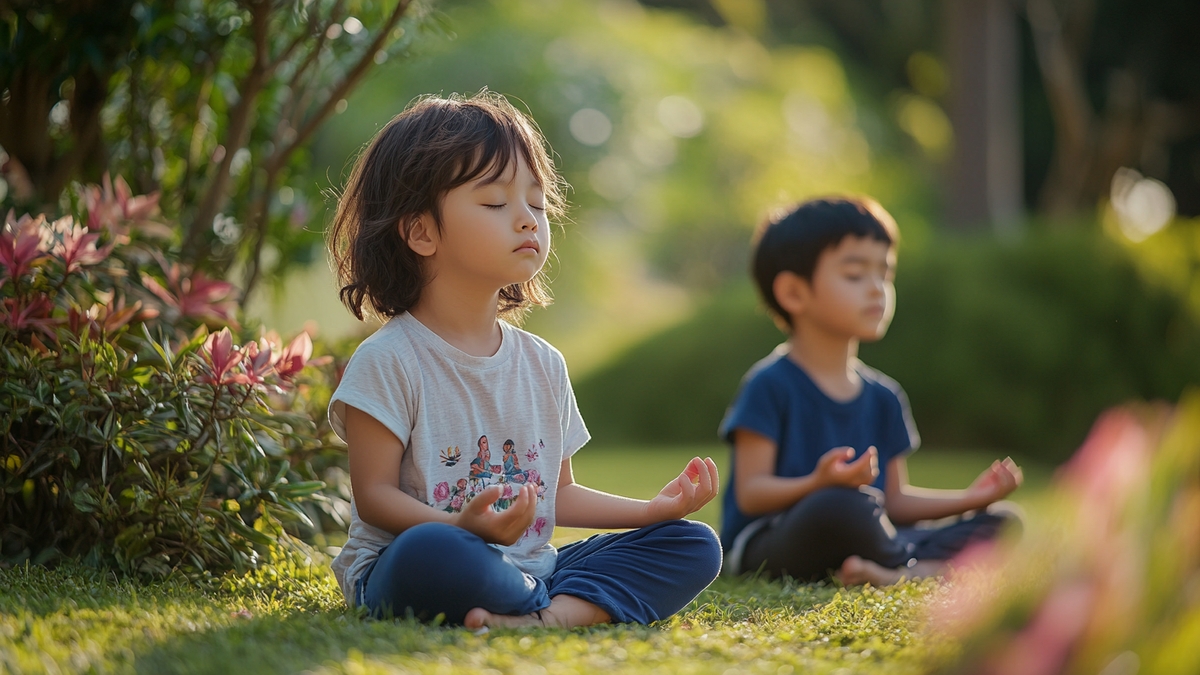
(676, 136)
(680, 130)
(1103, 84)
(211, 103)
(681, 124)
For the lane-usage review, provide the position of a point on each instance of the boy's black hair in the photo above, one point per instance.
(433, 146)
(794, 241)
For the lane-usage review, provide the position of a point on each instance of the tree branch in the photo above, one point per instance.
(261, 213)
(1074, 120)
(236, 134)
(351, 80)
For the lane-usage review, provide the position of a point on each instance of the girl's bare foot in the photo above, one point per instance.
(565, 611)
(481, 618)
(856, 570)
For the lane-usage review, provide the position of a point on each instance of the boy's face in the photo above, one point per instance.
(852, 293)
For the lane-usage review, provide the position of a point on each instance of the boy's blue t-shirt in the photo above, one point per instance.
(780, 401)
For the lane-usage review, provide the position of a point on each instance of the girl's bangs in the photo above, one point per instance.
(489, 160)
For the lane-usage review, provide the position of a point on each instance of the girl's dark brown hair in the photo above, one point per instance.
(433, 146)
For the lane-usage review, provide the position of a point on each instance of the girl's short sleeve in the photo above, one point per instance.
(574, 431)
(376, 383)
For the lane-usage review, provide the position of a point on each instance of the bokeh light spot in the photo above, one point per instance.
(926, 74)
(680, 116)
(612, 178)
(924, 120)
(590, 127)
(1143, 205)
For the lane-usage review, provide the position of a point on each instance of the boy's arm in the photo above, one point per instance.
(760, 491)
(580, 506)
(907, 504)
(375, 455)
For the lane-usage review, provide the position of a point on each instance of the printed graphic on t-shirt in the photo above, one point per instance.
(481, 473)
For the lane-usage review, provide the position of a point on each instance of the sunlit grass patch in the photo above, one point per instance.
(290, 618)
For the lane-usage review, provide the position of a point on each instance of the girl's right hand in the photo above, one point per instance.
(499, 527)
(835, 468)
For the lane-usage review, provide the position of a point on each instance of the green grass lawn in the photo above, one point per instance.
(292, 620)
(290, 617)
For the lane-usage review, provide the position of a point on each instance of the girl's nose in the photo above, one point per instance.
(526, 219)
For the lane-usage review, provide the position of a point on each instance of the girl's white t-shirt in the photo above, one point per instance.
(466, 422)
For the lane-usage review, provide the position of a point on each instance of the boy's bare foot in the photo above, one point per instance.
(565, 611)
(856, 570)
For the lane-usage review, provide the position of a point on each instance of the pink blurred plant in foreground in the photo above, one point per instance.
(1095, 584)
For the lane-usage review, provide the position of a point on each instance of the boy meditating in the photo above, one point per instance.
(819, 439)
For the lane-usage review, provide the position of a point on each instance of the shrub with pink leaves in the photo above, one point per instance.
(132, 435)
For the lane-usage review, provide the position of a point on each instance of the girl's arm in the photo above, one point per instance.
(907, 504)
(760, 491)
(580, 506)
(375, 455)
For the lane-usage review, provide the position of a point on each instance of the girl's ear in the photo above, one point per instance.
(420, 234)
(792, 292)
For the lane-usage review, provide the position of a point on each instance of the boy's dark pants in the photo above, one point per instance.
(812, 538)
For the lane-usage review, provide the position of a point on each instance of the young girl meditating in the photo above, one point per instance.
(442, 232)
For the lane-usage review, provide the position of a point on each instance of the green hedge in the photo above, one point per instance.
(1014, 347)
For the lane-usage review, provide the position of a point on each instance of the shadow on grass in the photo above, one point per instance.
(70, 587)
(294, 643)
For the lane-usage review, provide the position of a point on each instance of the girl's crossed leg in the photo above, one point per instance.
(636, 576)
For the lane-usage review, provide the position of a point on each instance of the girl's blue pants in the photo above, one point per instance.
(636, 576)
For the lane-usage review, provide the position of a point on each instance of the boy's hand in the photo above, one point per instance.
(996, 482)
(692, 489)
(835, 468)
(504, 527)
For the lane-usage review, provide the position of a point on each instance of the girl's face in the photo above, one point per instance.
(494, 233)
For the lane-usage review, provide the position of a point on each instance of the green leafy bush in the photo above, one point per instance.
(1005, 346)
(131, 436)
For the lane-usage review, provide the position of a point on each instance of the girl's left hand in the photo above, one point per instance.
(692, 489)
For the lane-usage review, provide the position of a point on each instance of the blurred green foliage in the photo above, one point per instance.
(676, 136)
(679, 135)
(211, 103)
(1007, 346)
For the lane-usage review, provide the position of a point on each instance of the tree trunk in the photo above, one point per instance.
(984, 179)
